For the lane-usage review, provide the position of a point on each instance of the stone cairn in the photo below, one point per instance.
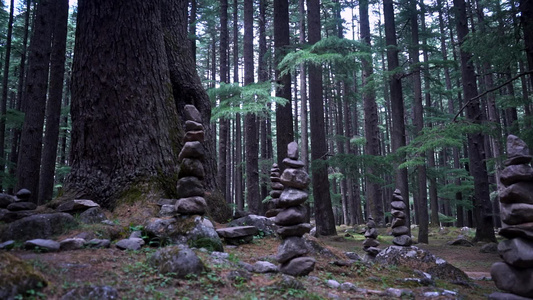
(515, 273)
(190, 186)
(277, 189)
(370, 245)
(400, 230)
(292, 216)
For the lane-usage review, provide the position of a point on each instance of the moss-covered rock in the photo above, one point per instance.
(17, 277)
(217, 208)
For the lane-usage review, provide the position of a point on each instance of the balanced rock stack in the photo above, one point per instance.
(277, 189)
(370, 245)
(190, 186)
(400, 231)
(292, 217)
(515, 273)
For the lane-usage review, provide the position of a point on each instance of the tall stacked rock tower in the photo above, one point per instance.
(515, 273)
(277, 189)
(370, 245)
(190, 187)
(292, 215)
(400, 230)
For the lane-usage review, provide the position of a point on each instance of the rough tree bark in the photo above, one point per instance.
(125, 125)
(53, 106)
(325, 221)
(36, 86)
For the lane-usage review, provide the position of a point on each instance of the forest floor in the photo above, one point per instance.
(134, 278)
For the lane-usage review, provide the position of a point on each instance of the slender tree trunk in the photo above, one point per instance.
(325, 221)
(372, 146)
(396, 99)
(3, 109)
(29, 160)
(224, 124)
(55, 94)
(526, 19)
(482, 207)
(285, 133)
(239, 190)
(20, 92)
(414, 53)
(252, 140)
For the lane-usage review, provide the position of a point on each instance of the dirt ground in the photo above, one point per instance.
(128, 272)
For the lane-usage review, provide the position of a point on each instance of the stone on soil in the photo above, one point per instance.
(264, 267)
(39, 226)
(77, 205)
(42, 244)
(178, 260)
(72, 244)
(17, 206)
(92, 292)
(237, 232)
(93, 215)
(300, 266)
(130, 244)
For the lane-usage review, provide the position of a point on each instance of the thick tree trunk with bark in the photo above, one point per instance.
(55, 94)
(325, 221)
(224, 124)
(125, 123)
(29, 159)
(476, 147)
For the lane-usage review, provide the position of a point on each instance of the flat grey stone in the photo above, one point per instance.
(164, 201)
(396, 222)
(167, 210)
(264, 267)
(191, 136)
(130, 244)
(23, 195)
(402, 240)
(292, 163)
(291, 216)
(292, 197)
(294, 230)
(42, 244)
(371, 233)
(520, 192)
(237, 232)
(334, 284)
(517, 252)
(7, 245)
(18, 206)
(398, 213)
(400, 205)
(39, 226)
(516, 213)
(516, 173)
(178, 260)
(191, 125)
(71, 244)
(400, 230)
(76, 205)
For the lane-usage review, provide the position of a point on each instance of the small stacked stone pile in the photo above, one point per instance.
(190, 186)
(370, 245)
(292, 217)
(400, 231)
(515, 273)
(277, 189)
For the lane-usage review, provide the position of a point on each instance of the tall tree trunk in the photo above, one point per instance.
(396, 99)
(372, 146)
(192, 26)
(325, 221)
(285, 133)
(3, 109)
(20, 92)
(252, 140)
(224, 124)
(526, 18)
(29, 160)
(239, 190)
(414, 54)
(114, 103)
(55, 94)
(478, 169)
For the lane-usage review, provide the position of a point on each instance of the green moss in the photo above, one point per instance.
(131, 195)
(207, 243)
(18, 276)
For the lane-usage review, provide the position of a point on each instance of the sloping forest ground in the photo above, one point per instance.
(134, 278)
